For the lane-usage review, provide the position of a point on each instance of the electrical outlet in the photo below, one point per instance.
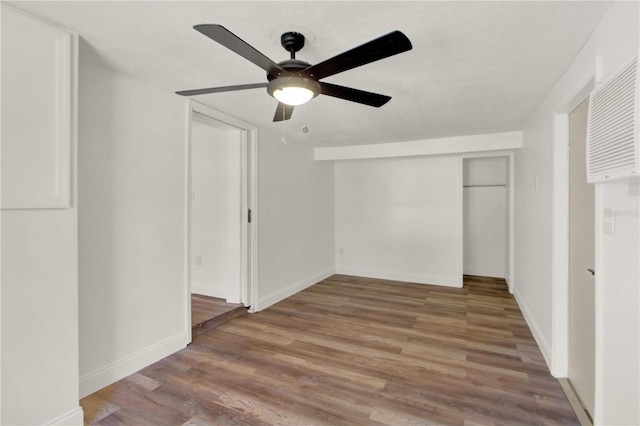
(199, 261)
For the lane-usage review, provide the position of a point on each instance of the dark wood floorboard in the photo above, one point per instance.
(352, 351)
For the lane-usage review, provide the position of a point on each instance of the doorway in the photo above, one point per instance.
(215, 209)
(221, 253)
(487, 217)
(581, 321)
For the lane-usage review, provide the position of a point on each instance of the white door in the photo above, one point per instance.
(581, 263)
(216, 209)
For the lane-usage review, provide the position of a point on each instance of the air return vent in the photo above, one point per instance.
(612, 130)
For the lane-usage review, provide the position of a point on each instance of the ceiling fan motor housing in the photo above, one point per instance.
(292, 42)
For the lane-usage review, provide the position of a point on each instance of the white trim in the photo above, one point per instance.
(73, 417)
(289, 291)
(452, 281)
(560, 248)
(111, 373)
(599, 298)
(460, 219)
(535, 328)
(244, 218)
(442, 146)
(249, 200)
(187, 228)
(511, 281)
(252, 289)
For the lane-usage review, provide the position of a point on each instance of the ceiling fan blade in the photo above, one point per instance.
(221, 89)
(354, 95)
(283, 112)
(380, 48)
(220, 34)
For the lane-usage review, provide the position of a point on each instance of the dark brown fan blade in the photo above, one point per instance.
(221, 89)
(354, 95)
(380, 48)
(220, 34)
(283, 112)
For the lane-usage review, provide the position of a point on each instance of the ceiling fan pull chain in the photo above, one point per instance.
(305, 129)
(284, 138)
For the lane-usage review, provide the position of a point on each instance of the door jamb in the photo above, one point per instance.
(560, 235)
(249, 200)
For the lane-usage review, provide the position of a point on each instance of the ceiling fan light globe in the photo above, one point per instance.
(293, 90)
(293, 95)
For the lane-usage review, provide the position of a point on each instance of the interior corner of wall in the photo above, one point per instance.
(535, 329)
(111, 373)
(271, 299)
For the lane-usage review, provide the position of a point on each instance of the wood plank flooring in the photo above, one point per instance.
(208, 313)
(352, 351)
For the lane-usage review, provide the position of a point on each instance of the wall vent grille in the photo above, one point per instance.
(612, 129)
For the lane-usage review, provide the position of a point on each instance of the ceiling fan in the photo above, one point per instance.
(293, 82)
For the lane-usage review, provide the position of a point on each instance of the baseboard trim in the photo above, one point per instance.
(277, 296)
(535, 329)
(102, 377)
(74, 417)
(208, 290)
(399, 276)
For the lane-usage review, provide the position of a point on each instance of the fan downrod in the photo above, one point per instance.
(292, 42)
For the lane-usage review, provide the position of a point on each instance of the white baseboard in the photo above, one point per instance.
(399, 276)
(102, 377)
(509, 286)
(535, 330)
(265, 301)
(74, 417)
(208, 290)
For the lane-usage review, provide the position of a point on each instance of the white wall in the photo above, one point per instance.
(39, 310)
(215, 209)
(618, 307)
(295, 217)
(533, 224)
(485, 216)
(132, 184)
(615, 41)
(400, 218)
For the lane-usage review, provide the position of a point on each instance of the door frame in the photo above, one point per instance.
(560, 236)
(248, 200)
(510, 213)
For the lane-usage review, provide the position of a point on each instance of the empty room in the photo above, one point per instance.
(320, 213)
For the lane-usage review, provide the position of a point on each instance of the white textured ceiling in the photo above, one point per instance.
(476, 67)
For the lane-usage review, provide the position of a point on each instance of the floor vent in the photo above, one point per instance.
(612, 129)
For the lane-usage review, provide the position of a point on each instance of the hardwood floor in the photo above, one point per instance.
(208, 313)
(351, 351)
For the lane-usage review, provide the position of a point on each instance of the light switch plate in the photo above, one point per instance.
(609, 221)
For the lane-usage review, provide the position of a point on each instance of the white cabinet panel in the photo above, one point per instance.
(36, 109)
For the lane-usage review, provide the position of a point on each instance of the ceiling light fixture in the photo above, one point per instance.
(293, 90)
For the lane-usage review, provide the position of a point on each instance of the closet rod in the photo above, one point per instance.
(480, 186)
